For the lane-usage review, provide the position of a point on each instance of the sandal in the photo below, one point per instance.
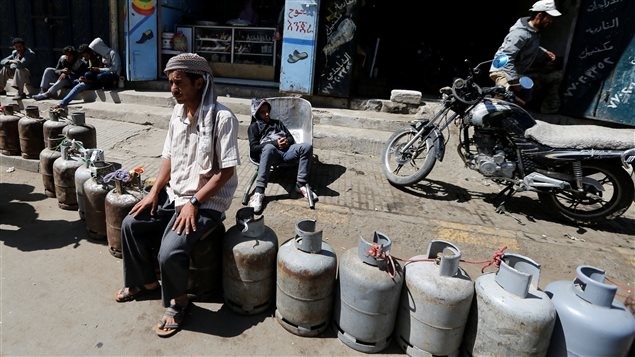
(128, 294)
(177, 312)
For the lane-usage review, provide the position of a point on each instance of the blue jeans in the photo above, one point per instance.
(97, 80)
(271, 156)
(79, 86)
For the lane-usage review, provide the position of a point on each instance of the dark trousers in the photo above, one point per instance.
(141, 236)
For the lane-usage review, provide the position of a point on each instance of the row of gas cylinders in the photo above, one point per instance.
(80, 180)
(28, 134)
(430, 305)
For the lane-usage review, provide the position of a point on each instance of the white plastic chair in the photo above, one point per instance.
(297, 116)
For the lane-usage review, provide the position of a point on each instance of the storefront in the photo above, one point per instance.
(237, 37)
(365, 48)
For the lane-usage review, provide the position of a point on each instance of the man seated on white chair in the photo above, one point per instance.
(271, 143)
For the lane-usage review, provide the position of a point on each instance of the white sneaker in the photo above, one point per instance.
(256, 202)
(302, 190)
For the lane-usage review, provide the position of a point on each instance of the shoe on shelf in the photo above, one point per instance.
(303, 191)
(256, 202)
(40, 96)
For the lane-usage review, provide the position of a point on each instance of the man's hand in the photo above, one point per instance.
(62, 76)
(186, 219)
(551, 55)
(283, 143)
(147, 201)
(94, 69)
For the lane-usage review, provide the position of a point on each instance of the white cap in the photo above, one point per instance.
(547, 6)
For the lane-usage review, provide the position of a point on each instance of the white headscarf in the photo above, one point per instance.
(193, 63)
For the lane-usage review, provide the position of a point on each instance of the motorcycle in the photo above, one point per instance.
(582, 176)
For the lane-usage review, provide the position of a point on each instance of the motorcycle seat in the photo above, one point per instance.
(581, 136)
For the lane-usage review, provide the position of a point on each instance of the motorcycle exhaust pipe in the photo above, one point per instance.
(537, 180)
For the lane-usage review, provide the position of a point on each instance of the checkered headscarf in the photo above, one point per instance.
(189, 63)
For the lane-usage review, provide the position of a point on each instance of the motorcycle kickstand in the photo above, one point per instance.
(500, 208)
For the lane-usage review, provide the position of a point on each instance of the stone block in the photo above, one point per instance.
(405, 96)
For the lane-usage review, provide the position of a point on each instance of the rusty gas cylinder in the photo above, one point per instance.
(249, 264)
(47, 158)
(95, 191)
(82, 174)
(9, 134)
(119, 202)
(31, 133)
(64, 176)
(79, 130)
(53, 126)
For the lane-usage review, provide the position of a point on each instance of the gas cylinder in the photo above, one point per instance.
(47, 158)
(31, 133)
(64, 176)
(53, 126)
(305, 281)
(79, 130)
(9, 134)
(591, 322)
(119, 202)
(435, 302)
(205, 277)
(82, 174)
(367, 299)
(510, 317)
(95, 191)
(249, 264)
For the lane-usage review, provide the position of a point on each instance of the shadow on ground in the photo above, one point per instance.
(22, 228)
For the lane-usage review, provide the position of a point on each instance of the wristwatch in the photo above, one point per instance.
(195, 202)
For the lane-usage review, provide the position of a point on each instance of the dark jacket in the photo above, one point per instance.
(77, 68)
(262, 133)
(26, 60)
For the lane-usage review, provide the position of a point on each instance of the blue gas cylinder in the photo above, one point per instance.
(367, 300)
(591, 322)
(510, 317)
(305, 281)
(435, 302)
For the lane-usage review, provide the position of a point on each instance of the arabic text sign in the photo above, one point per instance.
(604, 29)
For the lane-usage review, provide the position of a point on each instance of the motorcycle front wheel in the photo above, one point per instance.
(592, 205)
(409, 166)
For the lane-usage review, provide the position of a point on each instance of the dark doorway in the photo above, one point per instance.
(47, 26)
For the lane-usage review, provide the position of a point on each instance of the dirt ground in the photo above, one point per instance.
(57, 286)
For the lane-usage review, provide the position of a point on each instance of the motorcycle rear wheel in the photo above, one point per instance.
(594, 206)
(411, 166)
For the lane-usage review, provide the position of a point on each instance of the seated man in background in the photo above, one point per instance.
(18, 65)
(69, 68)
(270, 142)
(106, 76)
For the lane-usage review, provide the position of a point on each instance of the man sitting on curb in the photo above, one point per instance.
(270, 142)
(17, 65)
(69, 68)
(97, 77)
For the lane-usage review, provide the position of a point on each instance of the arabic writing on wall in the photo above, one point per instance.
(297, 22)
(338, 52)
(599, 42)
